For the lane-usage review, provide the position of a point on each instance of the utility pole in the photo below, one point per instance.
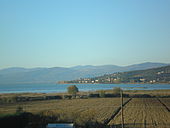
(121, 93)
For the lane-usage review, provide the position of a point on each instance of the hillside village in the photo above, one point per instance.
(155, 75)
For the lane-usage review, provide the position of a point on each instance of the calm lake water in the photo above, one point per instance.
(49, 88)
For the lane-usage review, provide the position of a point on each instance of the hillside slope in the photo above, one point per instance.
(153, 75)
(53, 75)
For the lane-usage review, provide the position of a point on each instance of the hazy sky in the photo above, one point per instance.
(49, 33)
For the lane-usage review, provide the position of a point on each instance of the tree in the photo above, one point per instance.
(72, 90)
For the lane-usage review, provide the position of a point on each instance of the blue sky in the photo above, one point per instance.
(50, 33)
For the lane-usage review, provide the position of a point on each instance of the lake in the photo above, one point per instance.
(50, 88)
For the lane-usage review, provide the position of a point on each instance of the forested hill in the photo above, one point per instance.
(154, 75)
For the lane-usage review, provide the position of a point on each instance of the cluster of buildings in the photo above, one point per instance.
(157, 77)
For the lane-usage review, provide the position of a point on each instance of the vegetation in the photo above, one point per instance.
(155, 75)
(166, 102)
(19, 109)
(72, 90)
(90, 112)
(80, 111)
(102, 93)
(117, 90)
(143, 112)
(27, 97)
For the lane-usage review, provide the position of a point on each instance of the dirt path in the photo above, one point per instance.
(167, 107)
(116, 112)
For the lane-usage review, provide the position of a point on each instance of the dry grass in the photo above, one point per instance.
(139, 112)
(166, 101)
(142, 113)
(150, 92)
(102, 108)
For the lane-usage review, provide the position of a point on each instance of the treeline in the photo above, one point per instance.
(15, 99)
(99, 94)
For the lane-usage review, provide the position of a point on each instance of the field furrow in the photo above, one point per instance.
(165, 101)
(101, 108)
(143, 113)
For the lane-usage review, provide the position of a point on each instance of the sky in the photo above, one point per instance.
(64, 33)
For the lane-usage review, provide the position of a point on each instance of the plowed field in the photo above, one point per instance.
(144, 113)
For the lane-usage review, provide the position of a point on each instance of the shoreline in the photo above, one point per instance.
(113, 83)
(62, 88)
(84, 92)
(134, 89)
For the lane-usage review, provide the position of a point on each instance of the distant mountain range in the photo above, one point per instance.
(17, 75)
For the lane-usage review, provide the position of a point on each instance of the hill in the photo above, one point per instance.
(17, 75)
(153, 75)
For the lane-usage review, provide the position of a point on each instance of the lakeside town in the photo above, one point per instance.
(151, 76)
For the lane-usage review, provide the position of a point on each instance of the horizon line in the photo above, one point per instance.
(82, 65)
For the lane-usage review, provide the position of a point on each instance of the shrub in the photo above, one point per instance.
(19, 109)
(72, 90)
(93, 95)
(86, 119)
(66, 97)
(16, 121)
(117, 90)
(142, 96)
(102, 93)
